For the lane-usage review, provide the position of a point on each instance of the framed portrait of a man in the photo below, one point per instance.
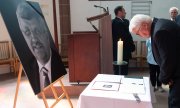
(33, 42)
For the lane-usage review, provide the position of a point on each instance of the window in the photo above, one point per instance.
(141, 7)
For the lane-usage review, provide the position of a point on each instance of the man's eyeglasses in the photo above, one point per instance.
(173, 12)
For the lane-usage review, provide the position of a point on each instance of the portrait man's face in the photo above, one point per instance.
(36, 35)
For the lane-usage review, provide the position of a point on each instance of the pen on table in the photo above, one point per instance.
(133, 83)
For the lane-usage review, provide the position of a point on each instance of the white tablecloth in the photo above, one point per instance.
(90, 98)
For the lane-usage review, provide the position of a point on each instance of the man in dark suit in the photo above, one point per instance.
(120, 30)
(173, 11)
(178, 19)
(45, 66)
(165, 35)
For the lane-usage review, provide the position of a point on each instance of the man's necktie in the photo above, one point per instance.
(46, 78)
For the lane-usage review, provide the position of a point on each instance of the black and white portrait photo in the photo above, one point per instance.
(33, 42)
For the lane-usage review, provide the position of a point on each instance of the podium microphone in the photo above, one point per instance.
(100, 7)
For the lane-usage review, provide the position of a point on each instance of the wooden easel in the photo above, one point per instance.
(57, 99)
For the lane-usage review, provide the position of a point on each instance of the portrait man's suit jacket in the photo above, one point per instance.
(120, 29)
(165, 35)
(57, 70)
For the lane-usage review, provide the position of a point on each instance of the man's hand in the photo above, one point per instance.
(170, 82)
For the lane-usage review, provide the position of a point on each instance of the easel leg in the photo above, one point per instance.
(67, 96)
(44, 99)
(57, 99)
(17, 86)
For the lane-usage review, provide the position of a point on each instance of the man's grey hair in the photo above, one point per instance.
(27, 12)
(137, 20)
(173, 8)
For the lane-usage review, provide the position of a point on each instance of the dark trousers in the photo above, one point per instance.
(154, 75)
(174, 95)
(122, 69)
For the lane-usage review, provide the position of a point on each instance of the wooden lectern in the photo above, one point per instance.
(90, 52)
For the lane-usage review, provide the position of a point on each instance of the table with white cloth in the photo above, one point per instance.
(111, 91)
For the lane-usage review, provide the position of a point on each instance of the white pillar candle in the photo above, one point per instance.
(120, 51)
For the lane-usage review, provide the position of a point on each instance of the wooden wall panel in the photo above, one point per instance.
(84, 56)
(105, 26)
(65, 25)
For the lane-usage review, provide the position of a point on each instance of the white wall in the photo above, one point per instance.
(4, 35)
(81, 9)
(160, 8)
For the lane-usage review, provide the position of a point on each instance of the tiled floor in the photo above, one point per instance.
(27, 99)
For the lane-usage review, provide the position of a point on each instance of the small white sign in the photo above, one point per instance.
(132, 85)
(109, 86)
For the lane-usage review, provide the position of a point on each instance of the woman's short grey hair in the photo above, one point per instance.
(173, 8)
(137, 20)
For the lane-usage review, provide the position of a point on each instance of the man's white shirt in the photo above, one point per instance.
(41, 76)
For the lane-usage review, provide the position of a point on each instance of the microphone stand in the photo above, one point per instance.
(100, 7)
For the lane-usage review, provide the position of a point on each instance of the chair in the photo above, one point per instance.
(135, 58)
(143, 49)
(5, 57)
(134, 54)
(63, 58)
(143, 54)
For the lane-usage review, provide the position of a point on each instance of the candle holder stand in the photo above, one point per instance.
(119, 65)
